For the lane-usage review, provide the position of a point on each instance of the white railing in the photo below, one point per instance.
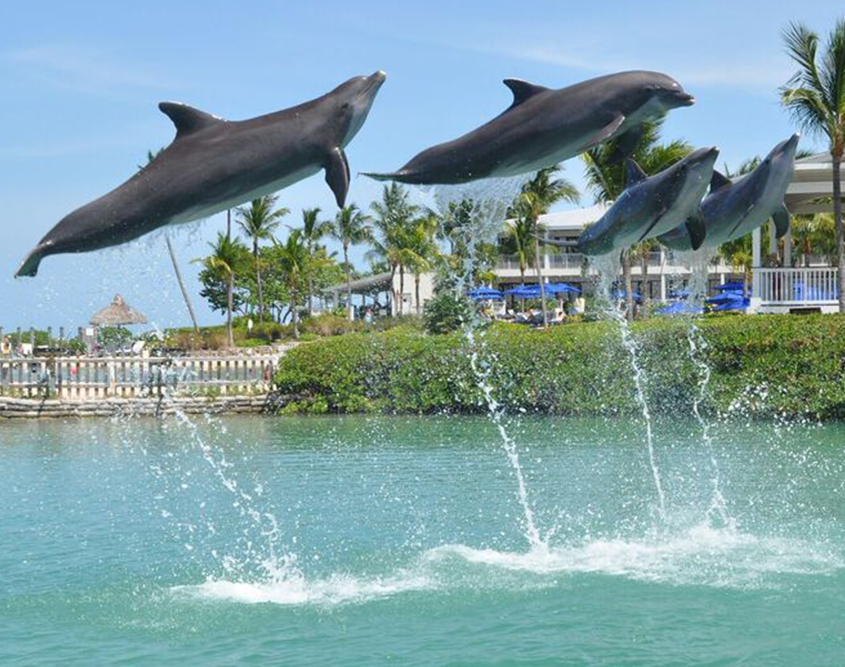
(84, 378)
(795, 287)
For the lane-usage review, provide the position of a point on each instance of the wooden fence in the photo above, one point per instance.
(81, 378)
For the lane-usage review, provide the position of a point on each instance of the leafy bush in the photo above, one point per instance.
(761, 366)
(446, 312)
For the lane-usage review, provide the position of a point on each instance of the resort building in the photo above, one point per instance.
(664, 273)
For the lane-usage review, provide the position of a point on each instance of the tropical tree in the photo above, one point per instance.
(292, 256)
(421, 250)
(815, 97)
(351, 227)
(394, 215)
(519, 241)
(313, 229)
(606, 180)
(258, 221)
(224, 261)
(537, 197)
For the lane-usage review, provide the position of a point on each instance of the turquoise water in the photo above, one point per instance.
(351, 541)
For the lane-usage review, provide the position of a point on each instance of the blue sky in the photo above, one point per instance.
(79, 84)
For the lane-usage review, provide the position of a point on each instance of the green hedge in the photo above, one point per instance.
(761, 365)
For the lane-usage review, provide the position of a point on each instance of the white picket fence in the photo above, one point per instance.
(82, 378)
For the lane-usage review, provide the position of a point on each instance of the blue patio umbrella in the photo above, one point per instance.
(561, 288)
(484, 293)
(620, 294)
(680, 308)
(731, 287)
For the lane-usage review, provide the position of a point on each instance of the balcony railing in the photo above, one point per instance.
(795, 287)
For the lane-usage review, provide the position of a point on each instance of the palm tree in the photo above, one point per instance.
(394, 216)
(537, 197)
(258, 221)
(607, 181)
(815, 96)
(313, 229)
(520, 239)
(421, 250)
(350, 227)
(223, 260)
(293, 262)
(152, 155)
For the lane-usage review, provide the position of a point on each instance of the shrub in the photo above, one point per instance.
(763, 365)
(446, 313)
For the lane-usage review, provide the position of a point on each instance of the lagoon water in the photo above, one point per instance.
(372, 541)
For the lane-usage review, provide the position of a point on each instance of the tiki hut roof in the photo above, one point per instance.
(117, 313)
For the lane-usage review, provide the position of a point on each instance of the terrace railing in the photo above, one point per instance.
(813, 286)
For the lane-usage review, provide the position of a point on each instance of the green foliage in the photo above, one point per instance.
(114, 338)
(762, 366)
(446, 312)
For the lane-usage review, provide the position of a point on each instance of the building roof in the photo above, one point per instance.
(117, 313)
(377, 283)
(813, 180)
(573, 220)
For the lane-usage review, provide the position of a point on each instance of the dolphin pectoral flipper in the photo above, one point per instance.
(781, 219)
(606, 132)
(626, 144)
(337, 175)
(718, 180)
(697, 230)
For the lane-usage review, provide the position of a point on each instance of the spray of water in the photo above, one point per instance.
(607, 268)
(699, 261)
(489, 201)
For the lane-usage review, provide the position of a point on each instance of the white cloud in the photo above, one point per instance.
(758, 74)
(82, 69)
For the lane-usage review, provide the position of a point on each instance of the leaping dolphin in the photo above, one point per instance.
(651, 205)
(544, 127)
(733, 209)
(214, 164)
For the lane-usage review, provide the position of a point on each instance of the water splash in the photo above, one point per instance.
(699, 262)
(607, 268)
(488, 202)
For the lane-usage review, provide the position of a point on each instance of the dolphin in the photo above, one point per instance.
(735, 208)
(544, 127)
(214, 164)
(652, 205)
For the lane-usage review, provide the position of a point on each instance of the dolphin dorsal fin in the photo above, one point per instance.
(522, 90)
(633, 173)
(718, 180)
(187, 119)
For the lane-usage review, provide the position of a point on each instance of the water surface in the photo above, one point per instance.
(263, 541)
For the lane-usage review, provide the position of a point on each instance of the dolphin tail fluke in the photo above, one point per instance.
(29, 266)
(697, 231)
(391, 176)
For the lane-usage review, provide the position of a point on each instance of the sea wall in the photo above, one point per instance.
(28, 408)
(761, 366)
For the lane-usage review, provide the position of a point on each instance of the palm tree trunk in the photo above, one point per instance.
(295, 314)
(350, 313)
(401, 289)
(836, 160)
(395, 307)
(644, 271)
(540, 281)
(629, 288)
(181, 282)
(258, 281)
(310, 295)
(417, 291)
(230, 284)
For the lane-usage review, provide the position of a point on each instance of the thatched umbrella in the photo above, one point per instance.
(116, 314)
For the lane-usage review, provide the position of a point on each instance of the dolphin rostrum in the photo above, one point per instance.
(544, 127)
(733, 209)
(651, 205)
(214, 164)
